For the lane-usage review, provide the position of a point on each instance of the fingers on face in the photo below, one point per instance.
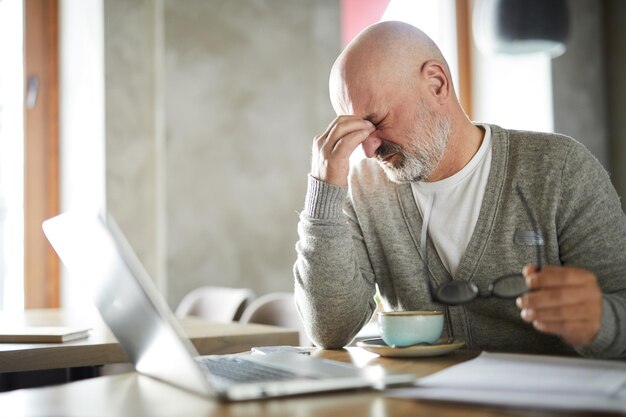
(337, 120)
(343, 135)
(344, 147)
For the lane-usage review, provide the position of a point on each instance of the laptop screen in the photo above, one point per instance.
(93, 248)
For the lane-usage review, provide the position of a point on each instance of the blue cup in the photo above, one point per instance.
(405, 328)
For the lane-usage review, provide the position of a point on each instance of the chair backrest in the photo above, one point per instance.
(277, 309)
(218, 304)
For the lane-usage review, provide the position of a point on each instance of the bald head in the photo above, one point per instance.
(395, 77)
(387, 53)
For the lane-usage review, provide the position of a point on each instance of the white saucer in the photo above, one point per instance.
(378, 346)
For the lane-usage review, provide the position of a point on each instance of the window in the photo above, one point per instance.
(41, 133)
(435, 18)
(515, 91)
(29, 191)
(11, 156)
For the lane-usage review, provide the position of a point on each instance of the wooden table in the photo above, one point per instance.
(134, 394)
(101, 347)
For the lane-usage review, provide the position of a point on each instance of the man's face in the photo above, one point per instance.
(412, 152)
(410, 138)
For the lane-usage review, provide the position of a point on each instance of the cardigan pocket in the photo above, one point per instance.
(528, 238)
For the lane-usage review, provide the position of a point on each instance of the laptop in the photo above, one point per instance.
(92, 247)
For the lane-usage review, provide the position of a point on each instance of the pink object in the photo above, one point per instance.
(356, 15)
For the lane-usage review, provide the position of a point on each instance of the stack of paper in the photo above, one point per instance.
(527, 381)
(41, 334)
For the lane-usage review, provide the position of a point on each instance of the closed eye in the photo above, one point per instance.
(370, 118)
(376, 120)
(380, 124)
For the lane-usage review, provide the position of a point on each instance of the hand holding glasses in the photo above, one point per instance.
(508, 286)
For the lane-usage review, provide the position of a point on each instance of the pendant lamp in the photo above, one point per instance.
(521, 26)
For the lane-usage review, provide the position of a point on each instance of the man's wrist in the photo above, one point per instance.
(324, 200)
(606, 335)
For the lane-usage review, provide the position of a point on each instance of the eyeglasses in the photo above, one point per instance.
(460, 292)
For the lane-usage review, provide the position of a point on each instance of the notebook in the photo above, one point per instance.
(93, 247)
(42, 334)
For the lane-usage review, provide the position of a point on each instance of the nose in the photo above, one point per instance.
(370, 145)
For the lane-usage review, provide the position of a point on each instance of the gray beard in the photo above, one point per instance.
(420, 160)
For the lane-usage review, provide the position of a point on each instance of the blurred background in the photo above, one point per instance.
(191, 121)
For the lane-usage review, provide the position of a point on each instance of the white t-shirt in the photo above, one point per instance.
(456, 205)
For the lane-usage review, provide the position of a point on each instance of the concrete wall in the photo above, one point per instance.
(590, 84)
(615, 22)
(211, 108)
(579, 89)
(131, 42)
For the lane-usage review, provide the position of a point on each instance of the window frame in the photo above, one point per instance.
(41, 151)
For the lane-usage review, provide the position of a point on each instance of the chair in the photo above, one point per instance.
(217, 304)
(277, 309)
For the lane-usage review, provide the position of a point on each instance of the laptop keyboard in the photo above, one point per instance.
(239, 370)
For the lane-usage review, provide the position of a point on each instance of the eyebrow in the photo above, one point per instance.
(371, 117)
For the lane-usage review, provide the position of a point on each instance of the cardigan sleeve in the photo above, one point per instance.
(591, 228)
(333, 297)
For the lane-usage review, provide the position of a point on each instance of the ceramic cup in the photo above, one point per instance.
(405, 328)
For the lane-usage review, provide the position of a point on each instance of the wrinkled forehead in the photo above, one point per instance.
(349, 96)
(361, 89)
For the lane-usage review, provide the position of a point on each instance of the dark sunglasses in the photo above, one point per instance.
(508, 286)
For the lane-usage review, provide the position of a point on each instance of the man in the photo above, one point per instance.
(491, 201)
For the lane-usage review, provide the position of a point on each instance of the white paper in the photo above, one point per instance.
(511, 399)
(528, 381)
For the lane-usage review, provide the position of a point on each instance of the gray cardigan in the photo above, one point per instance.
(352, 239)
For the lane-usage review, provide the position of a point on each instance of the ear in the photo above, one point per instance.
(437, 80)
